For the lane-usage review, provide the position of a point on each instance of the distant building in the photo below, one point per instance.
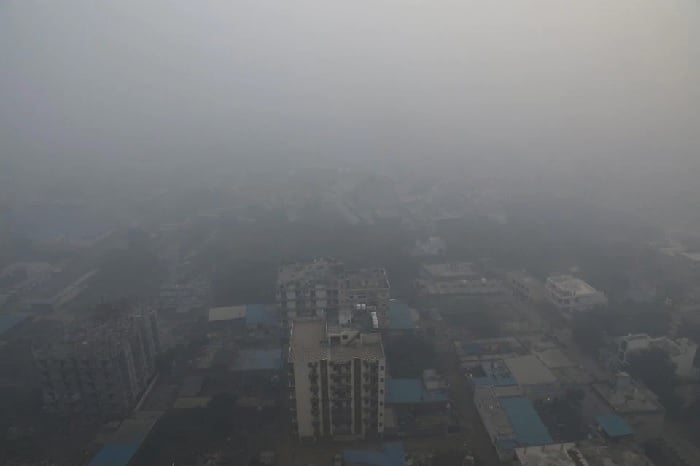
(326, 288)
(391, 454)
(525, 286)
(638, 405)
(337, 381)
(456, 278)
(101, 368)
(588, 453)
(570, 294)
(681, 352)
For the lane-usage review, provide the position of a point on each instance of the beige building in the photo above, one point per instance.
(101, 368)
(336, 380)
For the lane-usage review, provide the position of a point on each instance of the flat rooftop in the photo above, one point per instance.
(572, 285)
(631, 399)
(560, 454)
(309, 342)
(528, 370)
(319, 270)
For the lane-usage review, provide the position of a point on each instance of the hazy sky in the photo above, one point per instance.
(596, 88)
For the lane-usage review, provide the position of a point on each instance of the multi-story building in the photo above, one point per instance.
(570, 294)
(325, 287)
(681, 352)
(336, 380)
(101, 368)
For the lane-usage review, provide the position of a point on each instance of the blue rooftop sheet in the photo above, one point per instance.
(401, 317)
(258, 360)
(117, 454)
(9, 321)
(412, 391)
(525, 421)
(614, 426)
(261, 314)
(392, 454)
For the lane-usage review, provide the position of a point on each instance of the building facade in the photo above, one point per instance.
(336, 381)
(101, 368)
(681, 352)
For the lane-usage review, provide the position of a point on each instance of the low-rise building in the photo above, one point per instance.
(510, 421)
(570, 294)
(589, 453)
(638, 405)
(456, 278)
(525, 286)
(417, 406)
(681, 352)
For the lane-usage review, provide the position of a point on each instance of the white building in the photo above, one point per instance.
(681, 351)
(337, 381)
(570, 294)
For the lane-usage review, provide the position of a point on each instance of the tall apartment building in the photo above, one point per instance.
(325, 287)
(101, 368)
(337, 381)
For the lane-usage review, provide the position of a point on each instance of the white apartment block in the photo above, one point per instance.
(336, 380)
(570, 294)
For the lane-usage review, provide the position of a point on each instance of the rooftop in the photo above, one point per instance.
(528, 370)
(261, 315)
(219, 314)
(554, 358)
(614, 426)
(310, 342)
(402, 317)
(412, 391)
(560, 454)
(319, 270)
(572, 285)
(495, 374)
(392, 454)
(526, 423)
(632, 398)
(258, 360)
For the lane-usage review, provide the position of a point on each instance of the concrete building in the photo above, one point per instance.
(101, 368)
(681, 352)
(588, 453)
(635, 403)
(325, 287)
(570, 294)
(337, 381)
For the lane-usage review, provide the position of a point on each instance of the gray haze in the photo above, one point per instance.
(571, 94)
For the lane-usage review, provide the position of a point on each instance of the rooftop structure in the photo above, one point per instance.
(412, 391)
(571, 294)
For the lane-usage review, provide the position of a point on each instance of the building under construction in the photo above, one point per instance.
(101, 367)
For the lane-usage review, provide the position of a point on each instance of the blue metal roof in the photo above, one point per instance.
(11, 320)
(525, 421)
(258, 360)
(614, 426)
(412, 391)
(392, 454)
(261, 314)
(117, 454)
(401, 317)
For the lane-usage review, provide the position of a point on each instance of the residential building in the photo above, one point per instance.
(416, 406)
(326, 288)
(588, 453)
(102, 367)
(681, 352)
(635, 403)
(337, 381)
(525, 286)
(570, 294)
(456, 278)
